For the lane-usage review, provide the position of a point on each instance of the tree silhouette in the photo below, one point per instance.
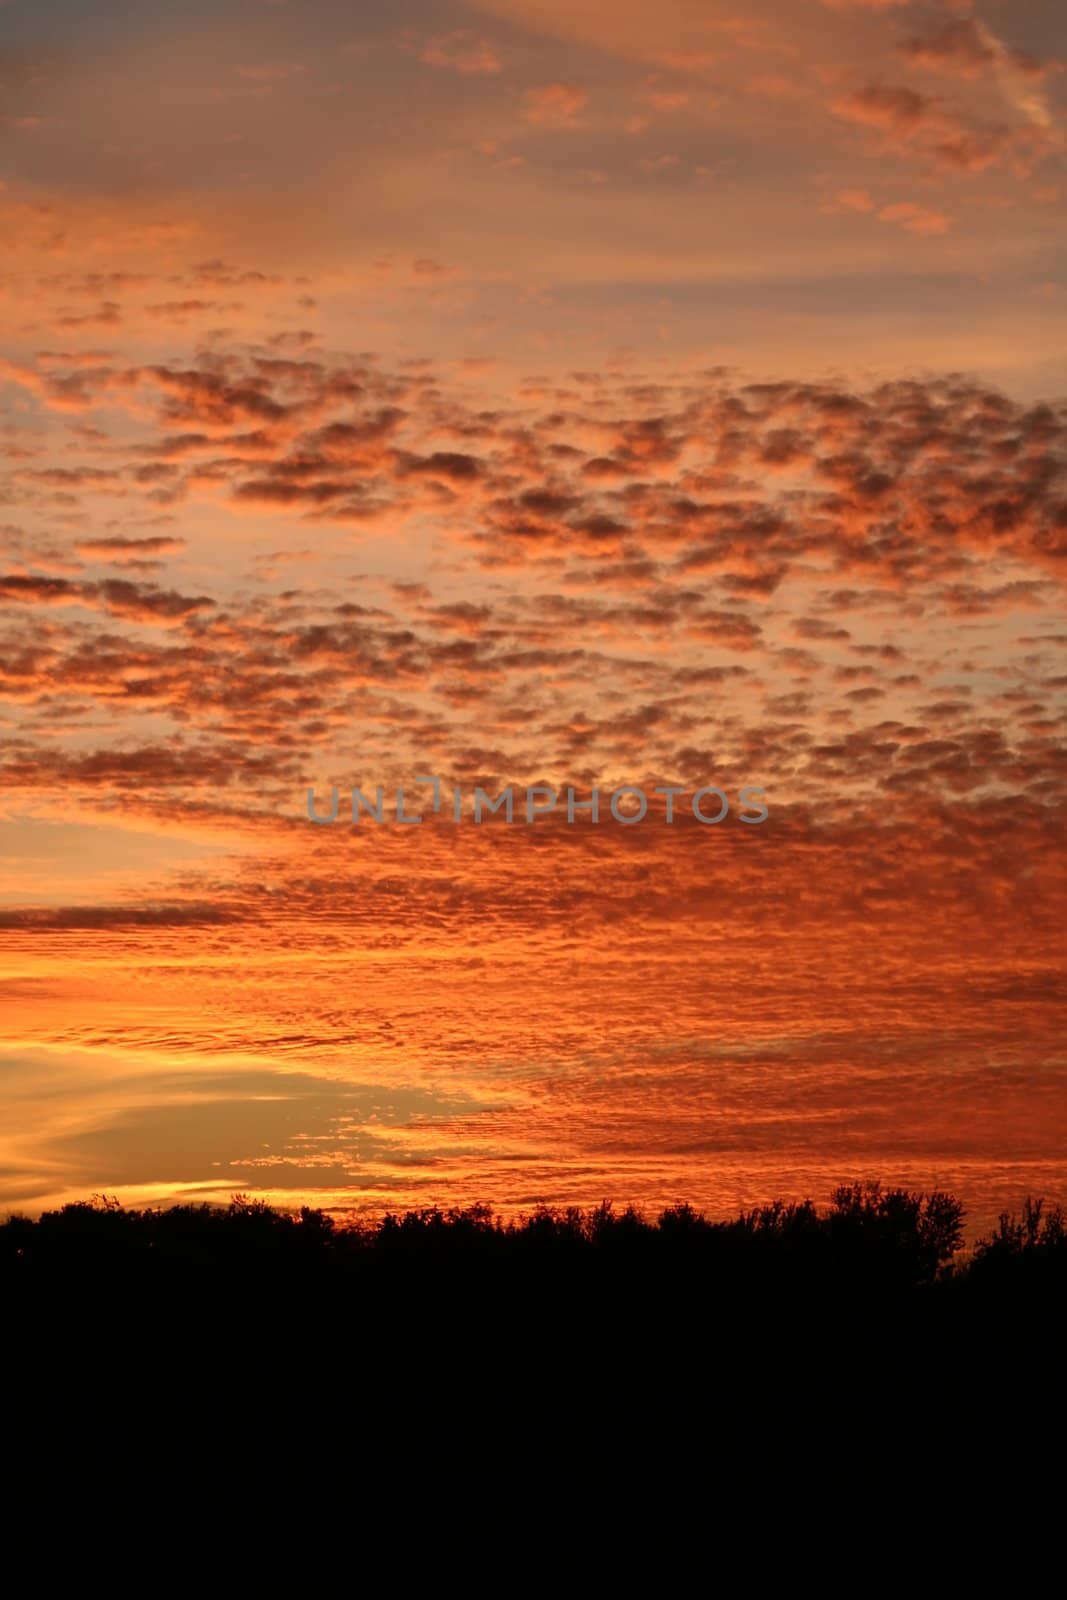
(872, 1245)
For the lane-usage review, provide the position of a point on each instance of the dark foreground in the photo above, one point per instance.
(872, 1247)
(571, 1337)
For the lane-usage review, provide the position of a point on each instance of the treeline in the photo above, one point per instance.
(871, 1243)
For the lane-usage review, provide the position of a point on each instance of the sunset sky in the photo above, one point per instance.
(527, 392)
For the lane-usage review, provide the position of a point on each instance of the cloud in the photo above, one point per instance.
(462, 51)
(554, 105)
(118, 596)
(915, 218)
(774, 86)
(915, 124)
(850, 200)
(650, 534)
(968, 48)
(427, 267)
(884, 106)
(620, 541)
(958, 47)
(123, 548)
(276, 72)
(107, 315)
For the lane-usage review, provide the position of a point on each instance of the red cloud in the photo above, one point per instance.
(555, 105)
(462, 51)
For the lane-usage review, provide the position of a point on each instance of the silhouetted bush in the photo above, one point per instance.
(1025, 1259)
(888, 1247)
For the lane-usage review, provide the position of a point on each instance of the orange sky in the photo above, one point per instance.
(531, 393)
